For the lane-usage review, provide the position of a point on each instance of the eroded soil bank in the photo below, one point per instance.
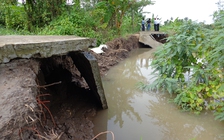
(54, 101)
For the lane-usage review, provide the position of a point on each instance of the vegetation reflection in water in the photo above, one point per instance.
(135, 114)
(120, 98)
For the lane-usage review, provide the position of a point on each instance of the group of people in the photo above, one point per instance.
(156, 24)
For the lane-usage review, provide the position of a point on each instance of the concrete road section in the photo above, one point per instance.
(14, 46)
(146, 37)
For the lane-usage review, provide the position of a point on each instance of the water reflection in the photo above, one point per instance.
(123, 90)
(177, 125)
(135, 114)
(145, 62)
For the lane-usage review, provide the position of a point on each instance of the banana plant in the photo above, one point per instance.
(115, 10)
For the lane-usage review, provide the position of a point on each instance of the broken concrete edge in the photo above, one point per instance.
(13, 47)
(99, 85)
(97, 77)
(22, 57)
(25, 90)
(44, 49)
(147, 38)
(88, 66)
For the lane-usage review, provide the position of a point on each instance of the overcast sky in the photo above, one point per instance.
(197, 10)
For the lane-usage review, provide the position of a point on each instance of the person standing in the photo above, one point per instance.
(158, 23)
(148, 24)
(143, 24)
(155, 24)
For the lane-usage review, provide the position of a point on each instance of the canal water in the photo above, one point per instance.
(139, 115)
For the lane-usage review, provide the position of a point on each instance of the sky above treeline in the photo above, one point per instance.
(197, 10)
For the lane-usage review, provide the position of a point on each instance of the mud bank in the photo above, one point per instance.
(45, 99)
(18, 96)
(50, 99)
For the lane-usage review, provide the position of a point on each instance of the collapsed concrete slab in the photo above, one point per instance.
(12, 47)
(88, 61)
(31, 63)
(152, 38)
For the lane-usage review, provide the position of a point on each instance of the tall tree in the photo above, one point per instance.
(40, 12)
(115, 10)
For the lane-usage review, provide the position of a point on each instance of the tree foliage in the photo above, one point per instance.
(89, 18)
(115, 10)
(31, 13)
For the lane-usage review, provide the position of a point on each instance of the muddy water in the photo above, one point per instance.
(138, 115)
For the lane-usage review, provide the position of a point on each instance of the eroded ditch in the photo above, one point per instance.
(72, 103)
(65, 103)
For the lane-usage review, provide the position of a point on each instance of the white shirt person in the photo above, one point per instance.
(156, 24)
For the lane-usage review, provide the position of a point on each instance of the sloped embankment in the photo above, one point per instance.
(32, 109)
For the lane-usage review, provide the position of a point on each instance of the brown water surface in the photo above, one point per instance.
(138, 115)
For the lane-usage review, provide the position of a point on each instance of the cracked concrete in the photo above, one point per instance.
(12, 47)
(20, 60)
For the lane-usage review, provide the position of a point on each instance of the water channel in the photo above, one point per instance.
(139, 115)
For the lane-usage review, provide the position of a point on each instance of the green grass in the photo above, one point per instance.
(5, 31)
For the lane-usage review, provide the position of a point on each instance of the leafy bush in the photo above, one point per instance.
(174, 59)
(15, 17)
(216, 66)
(129, 25)
(79, 23)
(190, 65)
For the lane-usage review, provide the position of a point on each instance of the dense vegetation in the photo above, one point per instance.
(190, 65)
(100, 19)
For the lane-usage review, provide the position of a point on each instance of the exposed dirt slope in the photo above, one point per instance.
(72, 116)
(118, 49)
